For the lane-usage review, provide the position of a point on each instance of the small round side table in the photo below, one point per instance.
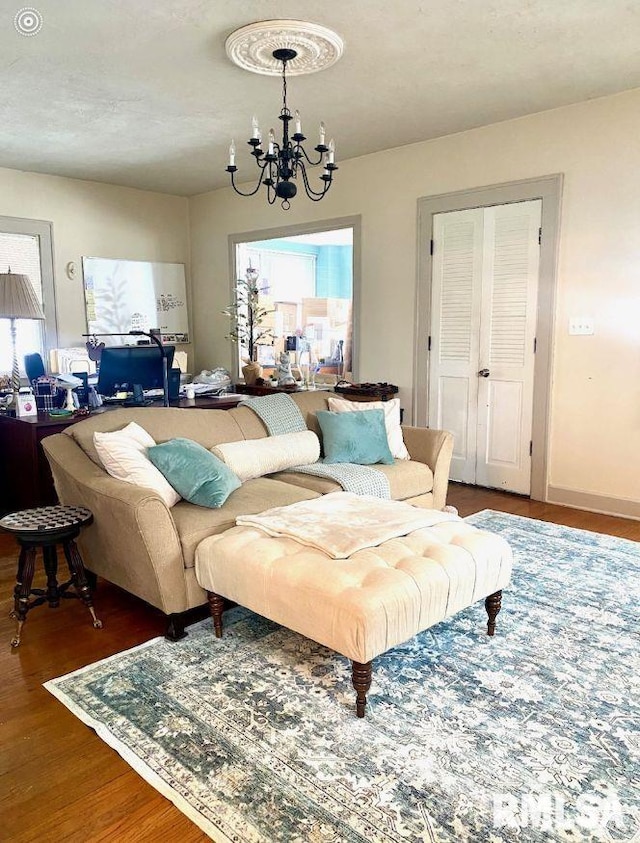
(46, 527)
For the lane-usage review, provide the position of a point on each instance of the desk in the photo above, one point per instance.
(26, 474)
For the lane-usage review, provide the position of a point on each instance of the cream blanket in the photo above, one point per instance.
(341, 523)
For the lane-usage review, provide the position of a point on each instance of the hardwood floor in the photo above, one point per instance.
(58, 780)
(470, 499)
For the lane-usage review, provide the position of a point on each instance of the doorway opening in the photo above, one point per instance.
(308, 286)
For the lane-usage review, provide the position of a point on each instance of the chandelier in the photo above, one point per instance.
(285, 164)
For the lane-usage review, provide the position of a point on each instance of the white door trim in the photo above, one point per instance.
(549, 190)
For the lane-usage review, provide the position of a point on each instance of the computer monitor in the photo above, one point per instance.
(124, 366)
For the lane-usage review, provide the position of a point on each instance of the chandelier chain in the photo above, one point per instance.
(284, 86)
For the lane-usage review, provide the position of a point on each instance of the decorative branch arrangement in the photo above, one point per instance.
(247, 315)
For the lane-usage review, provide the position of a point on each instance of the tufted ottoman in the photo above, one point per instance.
(364, 605)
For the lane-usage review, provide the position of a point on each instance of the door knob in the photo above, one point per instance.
(484, 373)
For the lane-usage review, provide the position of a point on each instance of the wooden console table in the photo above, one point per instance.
(245, 389)
(27, 476)
(367, 391)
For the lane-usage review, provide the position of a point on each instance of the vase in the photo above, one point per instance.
(251, 372)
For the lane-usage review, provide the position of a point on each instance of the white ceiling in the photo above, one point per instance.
(142, 94)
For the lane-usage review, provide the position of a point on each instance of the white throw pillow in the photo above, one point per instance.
(391, 420)
(251, 458)
(124, 456)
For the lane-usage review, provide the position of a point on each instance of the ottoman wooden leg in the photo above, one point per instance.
(216, 605)
(493, 604)
(361, 678)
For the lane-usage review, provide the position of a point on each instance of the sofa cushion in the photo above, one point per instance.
(257, 457)
(124, 455)
(249, 423)
(359, 438)
(195, 523)
(207, 427)
(391, 410)
(309, 402)
(195, 473)
(407, 479)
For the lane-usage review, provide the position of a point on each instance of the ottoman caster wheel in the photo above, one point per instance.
(15, 642)
(12, 613)
(97, 624)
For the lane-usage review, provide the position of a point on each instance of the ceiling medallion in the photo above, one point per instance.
(281, 47)
(316, 47)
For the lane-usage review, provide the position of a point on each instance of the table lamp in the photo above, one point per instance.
(17, 301)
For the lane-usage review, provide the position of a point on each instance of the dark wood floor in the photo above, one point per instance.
(58, 780)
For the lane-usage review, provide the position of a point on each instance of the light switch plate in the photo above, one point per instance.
(581, 325)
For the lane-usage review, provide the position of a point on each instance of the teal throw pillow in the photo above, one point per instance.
(358, 437)
(195, 473)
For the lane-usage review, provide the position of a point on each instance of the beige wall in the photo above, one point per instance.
(595, 419)
(95, 220)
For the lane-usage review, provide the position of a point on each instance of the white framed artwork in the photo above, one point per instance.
(125, 295)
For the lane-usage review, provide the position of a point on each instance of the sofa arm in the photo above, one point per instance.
(132, 541)
(435, 448)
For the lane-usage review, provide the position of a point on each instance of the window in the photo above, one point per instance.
(25, 246)
(306, 281)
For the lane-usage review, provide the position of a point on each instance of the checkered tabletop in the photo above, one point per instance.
(45, 519)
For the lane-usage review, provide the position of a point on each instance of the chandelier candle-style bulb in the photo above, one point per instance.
(286, 164)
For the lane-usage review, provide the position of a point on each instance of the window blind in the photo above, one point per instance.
(21, 252)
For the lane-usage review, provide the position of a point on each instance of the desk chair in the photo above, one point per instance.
(34, 367)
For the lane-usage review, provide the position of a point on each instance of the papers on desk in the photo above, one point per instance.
(204, 389)
(67, 380)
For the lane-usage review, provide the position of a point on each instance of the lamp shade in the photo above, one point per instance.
(17, 298)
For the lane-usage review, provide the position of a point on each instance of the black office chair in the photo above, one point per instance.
(34, 367)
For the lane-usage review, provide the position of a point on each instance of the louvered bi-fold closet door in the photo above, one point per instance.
(455, 334)
(483, 313)
(511, 259)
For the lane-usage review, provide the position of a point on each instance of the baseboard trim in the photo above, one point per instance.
(622, 507)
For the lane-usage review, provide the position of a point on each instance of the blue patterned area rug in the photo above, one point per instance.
(529, 736)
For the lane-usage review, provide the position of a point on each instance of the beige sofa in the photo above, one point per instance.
(147, 549)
